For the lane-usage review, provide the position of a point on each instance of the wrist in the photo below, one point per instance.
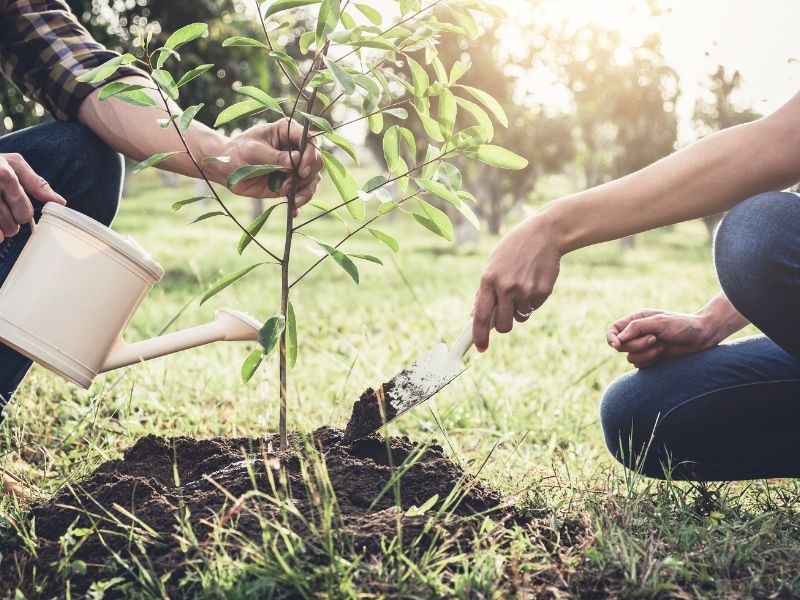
(562, 226)
(206, 143)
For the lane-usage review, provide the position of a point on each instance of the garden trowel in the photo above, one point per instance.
(422, 379)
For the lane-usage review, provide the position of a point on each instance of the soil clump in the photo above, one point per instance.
(208, 484)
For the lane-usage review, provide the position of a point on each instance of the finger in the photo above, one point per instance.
(522, 311)
(8, 225)
(35, 185)
(641, 327)
(484, 305)
(504, 318)
(305, 194)
(17, 203)
(647, 357)
(617, 326)
(639, 344)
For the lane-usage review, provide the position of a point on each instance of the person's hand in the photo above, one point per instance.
(270, 145)
(18, 184)
(518, 278)
(649, 335)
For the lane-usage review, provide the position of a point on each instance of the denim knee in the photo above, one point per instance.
(757, 256)
(98, 172)
(629, 425)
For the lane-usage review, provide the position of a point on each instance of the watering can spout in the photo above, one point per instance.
(229, 325)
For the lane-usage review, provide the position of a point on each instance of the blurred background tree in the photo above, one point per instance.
(720, 111)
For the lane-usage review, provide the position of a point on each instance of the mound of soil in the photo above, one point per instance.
(370, 412)
(161, 480)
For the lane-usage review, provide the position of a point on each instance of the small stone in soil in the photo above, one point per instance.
(367, 417)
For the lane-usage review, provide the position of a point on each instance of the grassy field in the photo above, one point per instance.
(530, 405)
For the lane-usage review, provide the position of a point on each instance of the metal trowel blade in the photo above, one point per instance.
(426, 376)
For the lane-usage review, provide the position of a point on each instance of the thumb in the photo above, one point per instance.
(640, 327)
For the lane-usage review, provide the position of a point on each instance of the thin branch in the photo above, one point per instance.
(361, 118)
(377, 187)
(272, 49)
(202, 173)
(398, 24)
(347, 237)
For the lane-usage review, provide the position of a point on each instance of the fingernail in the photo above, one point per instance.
(651, 339)
(305, 171)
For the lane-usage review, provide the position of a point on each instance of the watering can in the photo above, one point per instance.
(74, 289)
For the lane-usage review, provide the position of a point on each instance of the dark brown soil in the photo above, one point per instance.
(370, 412)
(160, 480)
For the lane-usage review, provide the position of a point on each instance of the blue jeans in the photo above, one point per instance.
(731, 412)
(85, 171)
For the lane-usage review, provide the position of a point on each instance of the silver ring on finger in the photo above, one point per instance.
(524, 315)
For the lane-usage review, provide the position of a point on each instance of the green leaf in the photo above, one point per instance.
(375, 122)
(250, 171)
(407, 6)
(342, 77)
(238, 40)
(261, 96)
(449, 175)
(342, 259)
(106, 70)
(419, 77)
(187, 116)
(344, 144)
(411, 144)
(251, 364)
(469, 215)
(369, 12)
(447, 113)
(438, 67)
(287, 61)
(115, 87)
(153, 160)
(430, 126)
(499, 157)
(130, 93)
(184, 35)
(481, 116)
(436, 220)
(270, 333)
(305, 41)
(181, 203)
(367, 257)
(327, 20)
(255, 227)
(387, 207)
(386, 239)
(321, 123)
(193, 74)
(227, 280)
(457, 71)
(345, 184)
(391, 147)
(165, 82)
(416, 511)
(246, 108)
(208, 215)
(439, 190)
(280, 5)
(489, 102)
(291, 336)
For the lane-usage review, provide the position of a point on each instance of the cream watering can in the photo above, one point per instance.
(73, 291)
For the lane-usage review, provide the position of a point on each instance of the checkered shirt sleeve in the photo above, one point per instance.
(43, 50)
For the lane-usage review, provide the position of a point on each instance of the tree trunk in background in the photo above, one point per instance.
(712, 222)
(126, 183)
(628, 242)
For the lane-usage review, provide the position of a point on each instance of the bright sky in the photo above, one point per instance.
(757, 37)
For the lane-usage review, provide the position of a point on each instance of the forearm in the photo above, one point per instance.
(708, 177)
(135, 132)
(720, 318)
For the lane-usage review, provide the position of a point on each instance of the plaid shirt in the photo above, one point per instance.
(43, 49)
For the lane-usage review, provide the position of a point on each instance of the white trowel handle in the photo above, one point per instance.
(464, 340)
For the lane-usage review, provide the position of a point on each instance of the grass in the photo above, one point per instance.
(530, 405)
